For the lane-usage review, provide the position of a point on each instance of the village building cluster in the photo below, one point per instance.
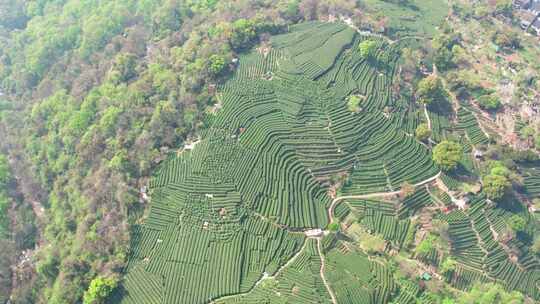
(528, 12)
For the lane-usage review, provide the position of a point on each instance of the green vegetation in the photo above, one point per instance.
(506, 40)
(496, 182)
(224, 212)
(489, 102)
(469, 124)
(448, 266)
(299, 282)
(5, 177)
(495, 186)
(422, 132)
(216, 64)
(353, 103)
(517, 223)
(100, 288)
(426, 245)
(333, 227)
(447, 50)
(193, 151)
(490, 293)
(368, 49)
(371, 243)
(407, 18)
(6, 257)
(447, 154)
(430, 90)
(94, 95)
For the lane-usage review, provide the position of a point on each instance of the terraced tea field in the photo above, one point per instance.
(230, 220)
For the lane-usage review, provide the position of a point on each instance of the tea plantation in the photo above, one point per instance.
(233, 218)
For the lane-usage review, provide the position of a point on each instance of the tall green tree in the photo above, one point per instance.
(243, 34)
(447, 154)
(422, 132)
(368, 49)
(496, 182)
(100, 288)
(495, 186)
(517, 223)
(430, 90)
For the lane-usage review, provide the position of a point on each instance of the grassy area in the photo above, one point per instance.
(418, 17)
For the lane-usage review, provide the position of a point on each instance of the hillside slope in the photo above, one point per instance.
(233, 207)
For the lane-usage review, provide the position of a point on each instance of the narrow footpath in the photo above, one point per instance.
(371, 195)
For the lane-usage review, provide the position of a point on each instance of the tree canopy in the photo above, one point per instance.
(506, 40)
(430, 90)
(517, 223)
(489, 102)
(490, 293)
(216, 64)
(4, 170)
(422, 132)
(5, 176)
(353, 103)
(447, 154)
(107, 88)
(494, 186)
(496, 182)
(448, 265)
(368, 48)
(100, 288)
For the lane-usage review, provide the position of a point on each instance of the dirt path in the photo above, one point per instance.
(289, 262)
(330, 292)
(350, 23)
(409, 37)
(427, 117)
(265, 276)
(371, 195)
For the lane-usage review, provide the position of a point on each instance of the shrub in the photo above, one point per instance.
(517, 223)
(354, 103)
(368, 49)
(448, 266)
(489, 102)
(426, 245)
(333, 227)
